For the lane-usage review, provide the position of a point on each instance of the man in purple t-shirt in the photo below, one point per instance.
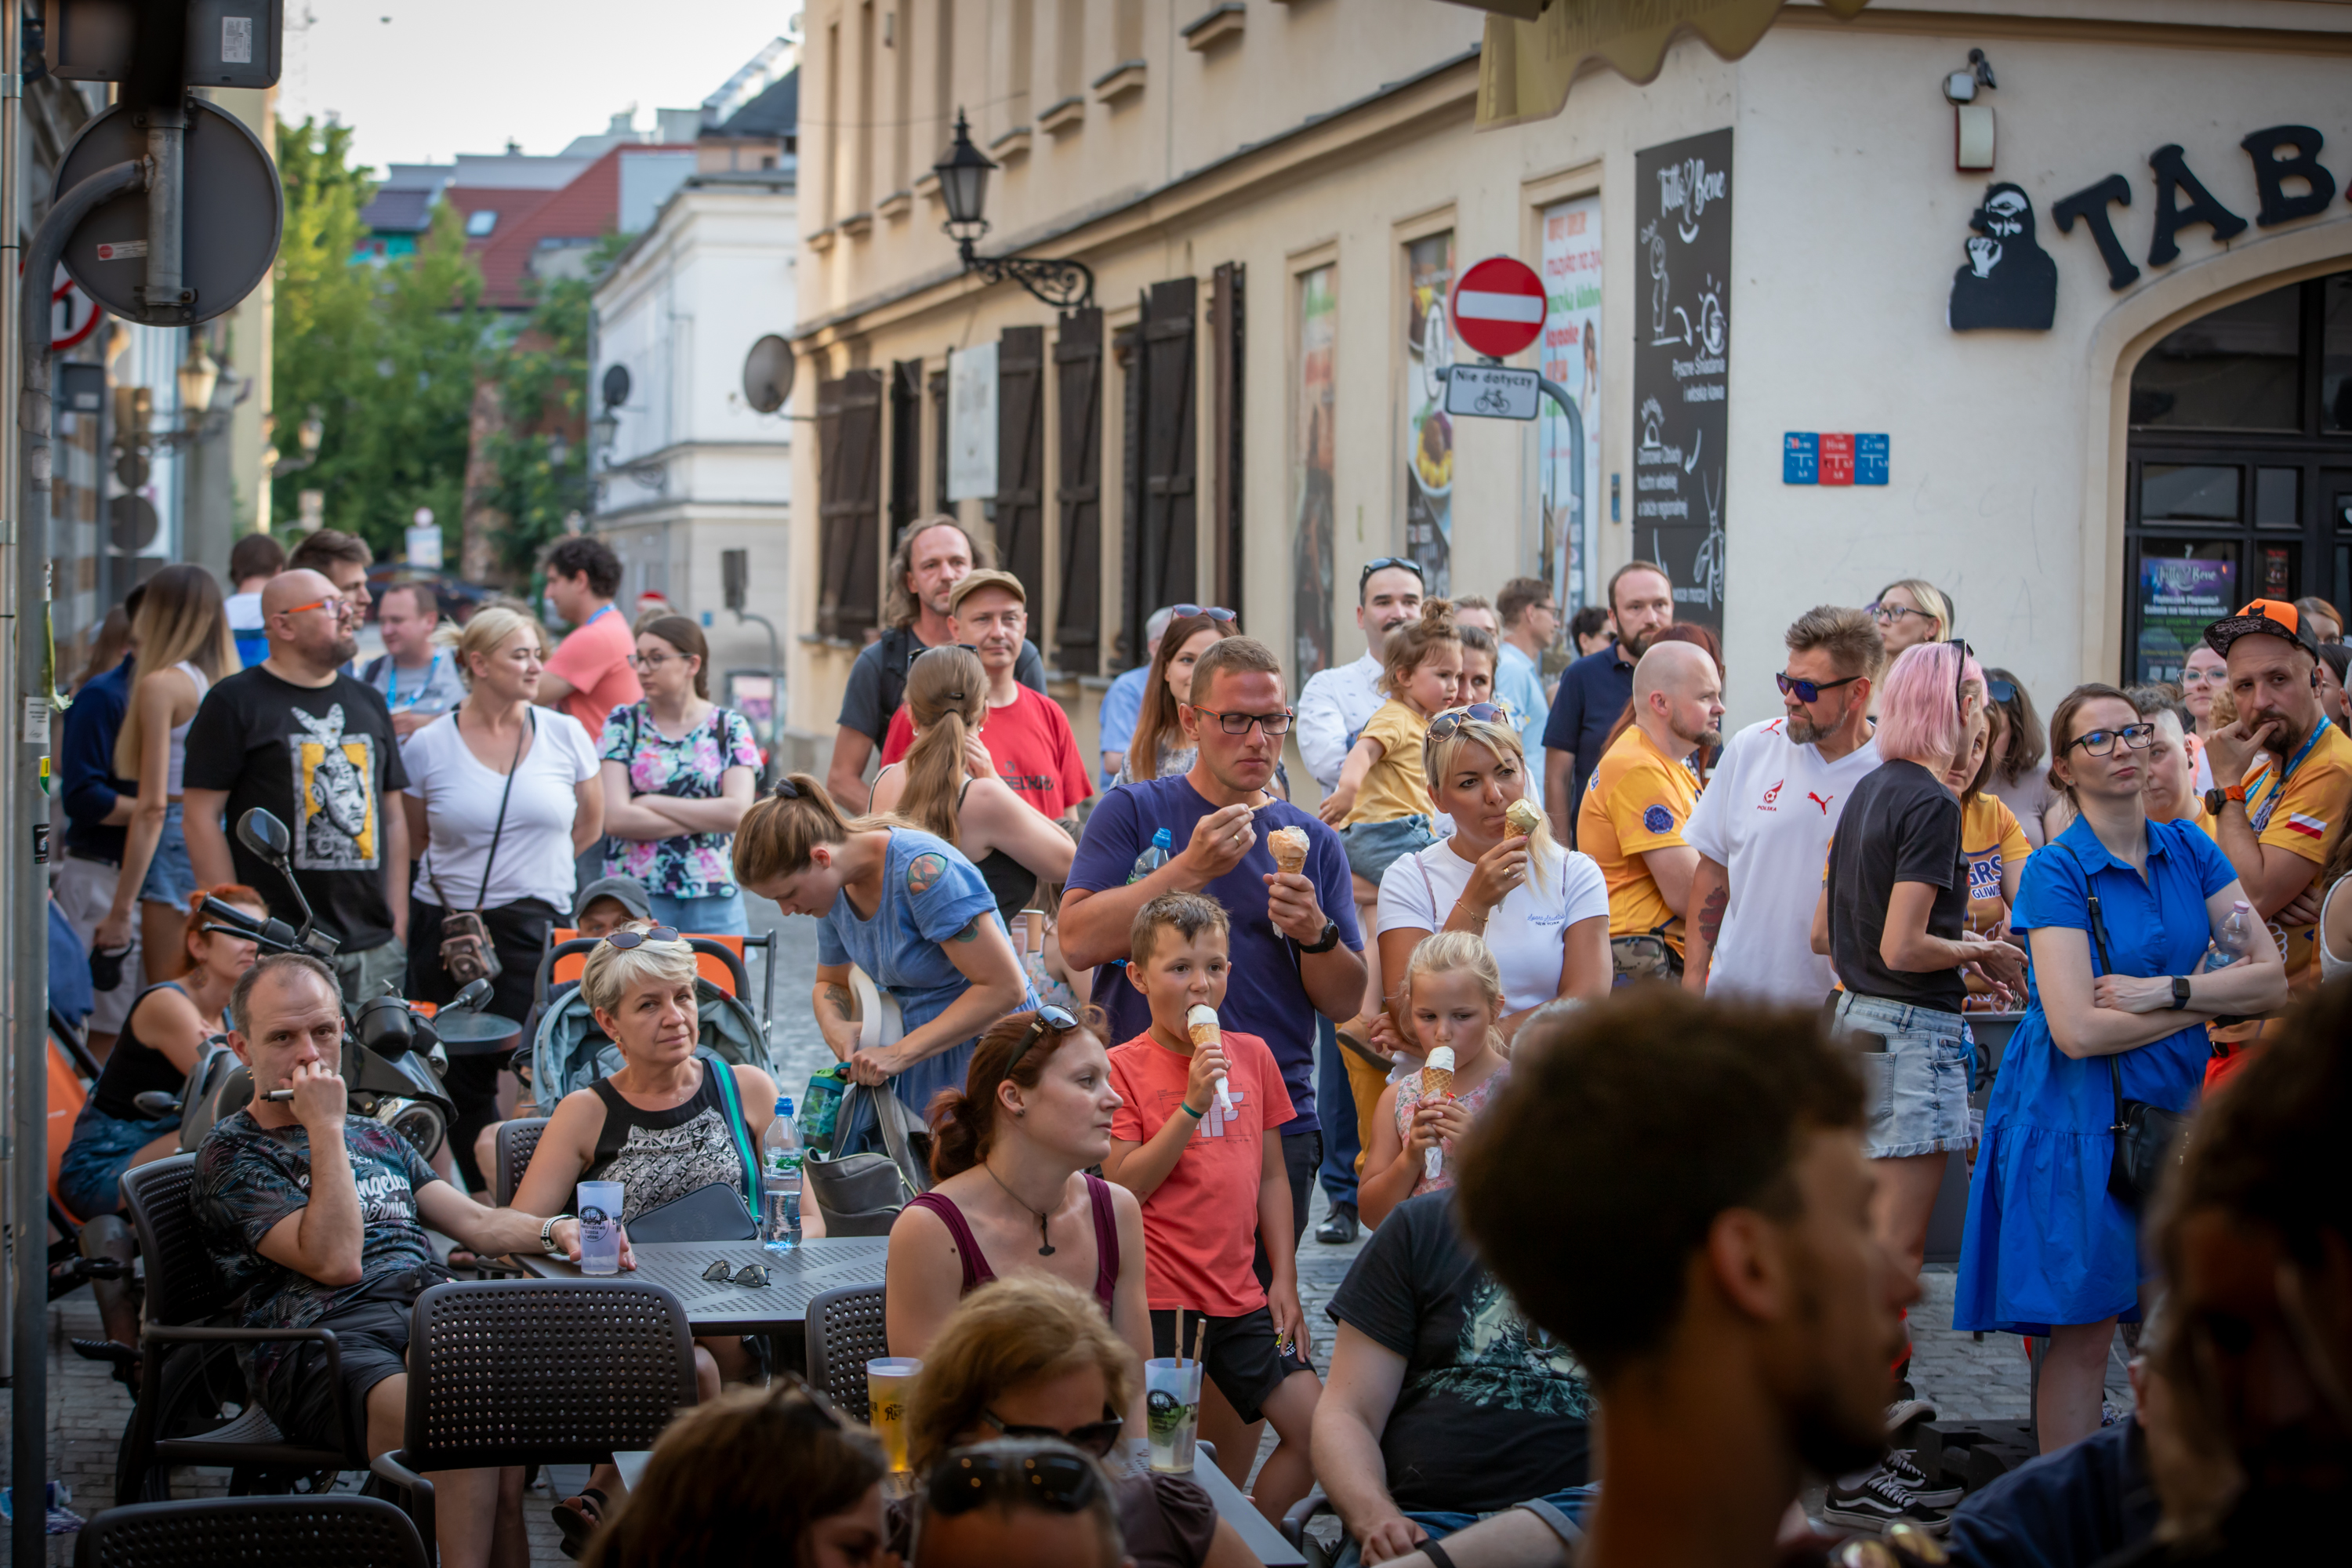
(1296, 952)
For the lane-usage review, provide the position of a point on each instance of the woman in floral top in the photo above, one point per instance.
(679, 773)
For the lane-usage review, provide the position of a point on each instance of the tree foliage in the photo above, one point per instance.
(541, 457)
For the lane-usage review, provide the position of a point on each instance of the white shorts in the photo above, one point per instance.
(85, 891)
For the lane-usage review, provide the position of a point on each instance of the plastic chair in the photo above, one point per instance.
(845, 1332)
(183, 1293)
(518, 1140)
(335, 1531)
(537, 1372)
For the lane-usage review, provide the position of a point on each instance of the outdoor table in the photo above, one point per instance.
(1256, 1531)
(795, 1278)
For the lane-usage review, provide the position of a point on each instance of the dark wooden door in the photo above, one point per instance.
(849, 494)
(1021, 458)
(1078, 492)
(906, 445)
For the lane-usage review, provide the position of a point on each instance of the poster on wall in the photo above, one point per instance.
(1312, 571)
(1570, 451)
(1682, 357)
(1428, 429)
(2178, 600)
(971, 424)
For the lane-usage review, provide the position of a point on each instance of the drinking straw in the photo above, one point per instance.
(1199, 1335)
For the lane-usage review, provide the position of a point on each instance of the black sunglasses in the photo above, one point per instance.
(723, 1273)
(1097, 1438)
(1058, 1019)
(2000, 690)
(1808, 690)
(1382, 564)
(625, 940)
(1214, 612)
(1960, 672)
(973, 1478)
(1442, 728)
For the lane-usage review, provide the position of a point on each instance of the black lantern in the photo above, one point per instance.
(963, 184)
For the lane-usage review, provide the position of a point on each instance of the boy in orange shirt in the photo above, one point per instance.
(1208, 1170)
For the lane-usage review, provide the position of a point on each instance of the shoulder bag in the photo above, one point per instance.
(2148, 1139)
(861, 1194)
(467, 952)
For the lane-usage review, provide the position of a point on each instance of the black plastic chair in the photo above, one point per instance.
(537, 1372)
(337, 1530)
(845, 1332)
(518, 1141)
(179, 1338)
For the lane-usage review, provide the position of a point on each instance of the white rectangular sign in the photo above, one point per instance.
(971, 424)
(1493, 392)
(425, 548)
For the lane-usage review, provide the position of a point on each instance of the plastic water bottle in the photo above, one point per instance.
(1151, 859)
(2237, 937)
(780, 1179)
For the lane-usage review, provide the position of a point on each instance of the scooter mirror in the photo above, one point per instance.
(387, 1027)
(262, 833)
(473, 996)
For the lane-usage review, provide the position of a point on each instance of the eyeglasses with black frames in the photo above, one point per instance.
(2102, 742)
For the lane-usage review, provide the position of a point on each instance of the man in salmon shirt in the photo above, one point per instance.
(589, 675)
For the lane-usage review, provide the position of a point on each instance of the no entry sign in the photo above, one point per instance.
(1498, 306)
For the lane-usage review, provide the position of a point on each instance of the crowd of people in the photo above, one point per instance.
(1551, 970)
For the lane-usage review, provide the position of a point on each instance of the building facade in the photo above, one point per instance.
(2093, 383)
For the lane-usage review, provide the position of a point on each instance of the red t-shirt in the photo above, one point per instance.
(1035, 750)
(1200, 1225)
(594, 661)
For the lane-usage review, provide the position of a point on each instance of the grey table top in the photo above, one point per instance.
(795, 1278)
(1236, 1509)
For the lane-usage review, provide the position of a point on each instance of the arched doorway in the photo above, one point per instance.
(2239, 468)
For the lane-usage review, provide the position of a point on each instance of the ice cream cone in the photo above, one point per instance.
(1523, 816)
(1437, 1074)
(1200, 1022)
(1289, 847)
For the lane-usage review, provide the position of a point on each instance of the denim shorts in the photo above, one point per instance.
(1914, 1074)
(1373, 846)
(170, 879)
(90, 1175)
(1560, 1509)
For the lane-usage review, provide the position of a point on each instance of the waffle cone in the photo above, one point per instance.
(1203, 1034)
(1436, 1083)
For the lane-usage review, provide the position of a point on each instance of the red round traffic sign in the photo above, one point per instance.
(1498, 306)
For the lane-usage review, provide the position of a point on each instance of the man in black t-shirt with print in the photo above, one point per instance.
(315, 748)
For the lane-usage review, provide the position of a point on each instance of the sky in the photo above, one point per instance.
(422, 80)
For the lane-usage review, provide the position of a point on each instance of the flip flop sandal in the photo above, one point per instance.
(580, 1518)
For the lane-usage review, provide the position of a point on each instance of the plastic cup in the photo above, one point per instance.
(888, 1378)
(1171, 1402)
(600, 1227)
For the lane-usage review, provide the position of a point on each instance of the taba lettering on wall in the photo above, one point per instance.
(2011, 281)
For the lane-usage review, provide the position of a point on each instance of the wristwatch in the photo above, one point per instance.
(2179, 992)
(546, 1233)
(1325, 942)
(2215, 797)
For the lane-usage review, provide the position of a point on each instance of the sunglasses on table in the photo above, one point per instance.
(1239, 723)
(1808, 690)
(970, 1478)
(625, 940)
(2102, 742)
(1442, 727)
(1383, 562)
(1061, 1020)
(1214, 612)
(1097, 1438)
(721, 1272)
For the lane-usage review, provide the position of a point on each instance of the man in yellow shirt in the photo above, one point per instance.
(1641, 795)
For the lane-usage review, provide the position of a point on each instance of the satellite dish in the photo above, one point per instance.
(616, 385)
(768, 373)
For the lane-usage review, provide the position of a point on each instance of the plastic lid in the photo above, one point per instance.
(784, 1105)
(2239, 904)
(1163, 839)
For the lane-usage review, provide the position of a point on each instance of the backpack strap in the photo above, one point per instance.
(731, 1098)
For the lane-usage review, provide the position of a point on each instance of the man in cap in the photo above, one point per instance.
(2283, 773)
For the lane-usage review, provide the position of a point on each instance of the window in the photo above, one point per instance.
(479, 224)
(2237, 369)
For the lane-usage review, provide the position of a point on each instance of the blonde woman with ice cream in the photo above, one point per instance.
(1453, 1001)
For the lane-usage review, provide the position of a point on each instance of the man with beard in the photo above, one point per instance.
(1763, 827)
(1593, 690)
(2286, 772)
(314, 747)
(1741, 1326)
(1336, 704)
(1641, 795)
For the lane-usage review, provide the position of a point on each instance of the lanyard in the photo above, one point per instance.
(392, 684)
(2293, 762)
(597, 616)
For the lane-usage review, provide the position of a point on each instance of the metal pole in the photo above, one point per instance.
(11, 242)
(167, 145)
(28, 923)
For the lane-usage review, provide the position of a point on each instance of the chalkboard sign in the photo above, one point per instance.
(1681, 362)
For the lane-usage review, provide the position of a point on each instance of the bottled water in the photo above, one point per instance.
(1151, 859)
(780, 1179)
(2236, 939)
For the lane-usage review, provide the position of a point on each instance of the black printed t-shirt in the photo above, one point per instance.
(1492, 1410)
(249, 1177)
(1900, 824)
(322, 760)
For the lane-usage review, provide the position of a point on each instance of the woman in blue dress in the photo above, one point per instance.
(2048, 1249)
(905, 907)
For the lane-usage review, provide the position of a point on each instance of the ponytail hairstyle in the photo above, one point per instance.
(947, 698)
(1156, 725)
(775, 837)
(963, 1122)
(1455, 951)
(1415, 641)
(1438, 759)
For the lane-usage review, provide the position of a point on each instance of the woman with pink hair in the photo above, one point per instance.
(1893, 919)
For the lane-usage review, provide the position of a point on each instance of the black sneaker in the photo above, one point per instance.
(1903, 1464)
(1341, 1228)
(1877, 1500)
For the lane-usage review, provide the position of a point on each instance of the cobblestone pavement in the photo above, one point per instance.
(1965, 1379)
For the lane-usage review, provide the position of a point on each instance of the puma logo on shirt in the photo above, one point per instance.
(1822, 801)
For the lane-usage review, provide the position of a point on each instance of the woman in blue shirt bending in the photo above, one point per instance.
(2048, 1249)
(905, 907)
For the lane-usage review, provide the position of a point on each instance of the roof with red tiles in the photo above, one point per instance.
(587, 208)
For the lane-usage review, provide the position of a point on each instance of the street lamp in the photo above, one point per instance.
(199, 375)
(963, 186)
(308, 436)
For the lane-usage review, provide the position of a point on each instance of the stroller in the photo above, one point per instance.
(570, 1052)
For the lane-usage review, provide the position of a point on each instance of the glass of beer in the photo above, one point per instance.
(888, 1379)
(600, 1227)
(1171, 1403)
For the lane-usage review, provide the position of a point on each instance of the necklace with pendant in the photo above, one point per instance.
(1044, 1246)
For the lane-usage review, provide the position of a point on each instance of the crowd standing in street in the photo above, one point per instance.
(416, 673)
(1594, 689)
(99, 804)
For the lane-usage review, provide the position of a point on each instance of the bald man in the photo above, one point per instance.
(314, 747)
(1641, 797)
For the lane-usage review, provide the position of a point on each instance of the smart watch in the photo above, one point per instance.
(546, 1233)
(1326, 941)
(2214, 798)
(2179, 992)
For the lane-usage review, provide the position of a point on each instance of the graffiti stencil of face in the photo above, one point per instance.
(330, 781)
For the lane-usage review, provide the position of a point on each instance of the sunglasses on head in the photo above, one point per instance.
(1214, 612)
(1382, 564)
(625, 940)
(973, 1478)
(1960, 672)
(1097, 1438)
(1808, 690)
(1442, 727)
(1058, 1019)
(2000, 690)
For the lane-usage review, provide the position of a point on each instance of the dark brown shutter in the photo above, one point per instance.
(940, 502)
(1164, 567)
(849, 494)
(1225, 367)
(906, 445)
(1020, 456)
(1077, 492)
(1127, 348)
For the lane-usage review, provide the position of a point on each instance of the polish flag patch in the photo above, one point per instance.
(2312, 826)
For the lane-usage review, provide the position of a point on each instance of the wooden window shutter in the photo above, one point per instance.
(940, 502)
(849, 495)
(1021, 457)
(1127, 349)
(1077, 492)
(1226, 321)
(906, 445)
(1164, 568)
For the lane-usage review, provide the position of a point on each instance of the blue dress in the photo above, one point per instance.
(930, 892)
(2045, 1242)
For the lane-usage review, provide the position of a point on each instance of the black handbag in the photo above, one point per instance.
(711, 1213)
(2148, 1139)
(861, 1194)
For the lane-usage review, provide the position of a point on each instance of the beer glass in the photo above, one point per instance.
(888, 1379)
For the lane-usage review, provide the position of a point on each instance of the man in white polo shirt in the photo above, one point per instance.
(1762, 827)
(1337, 703)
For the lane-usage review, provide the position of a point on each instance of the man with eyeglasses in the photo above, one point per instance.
(1762, 827)
(1336, 704)
(1595, 689)
(1295, 952)
(315, 747)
